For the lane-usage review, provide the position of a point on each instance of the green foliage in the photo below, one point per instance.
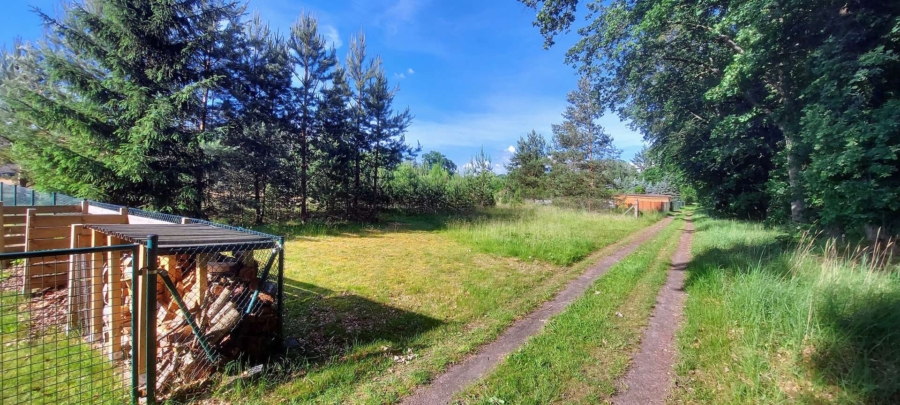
(429, 189)
(435, 158)
(114, 104)
(188, 106)
(528, 167)
(766, 106)
(580, 147)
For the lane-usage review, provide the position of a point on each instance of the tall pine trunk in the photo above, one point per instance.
(257, 200)
(304, 172)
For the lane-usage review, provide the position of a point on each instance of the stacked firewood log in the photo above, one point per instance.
(214, 322)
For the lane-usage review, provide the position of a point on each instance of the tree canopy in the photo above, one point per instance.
(771, 108)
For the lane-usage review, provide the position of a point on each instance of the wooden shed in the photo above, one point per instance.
(645, 202)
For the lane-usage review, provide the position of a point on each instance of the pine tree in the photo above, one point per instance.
(386, 127)
(255, 110)
(334, 146)
(314, 66)
(360, 73)
(527, 166)
(580, 145)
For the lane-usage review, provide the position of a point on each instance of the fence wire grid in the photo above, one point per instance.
(214, 304)
(136, 319)
(56, 340)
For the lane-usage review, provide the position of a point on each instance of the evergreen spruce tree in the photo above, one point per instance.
(116, 109)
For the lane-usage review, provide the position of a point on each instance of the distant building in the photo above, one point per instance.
(9, 170)
(646, 202)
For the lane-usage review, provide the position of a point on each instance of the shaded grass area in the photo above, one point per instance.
(551, 234)
(378, 310)
(768, 321)
(48, 367)
(580, 353)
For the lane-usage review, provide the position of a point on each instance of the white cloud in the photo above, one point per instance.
(399, 76)
(511, 149)
(493, 124)
(410, 71)
(332, 35)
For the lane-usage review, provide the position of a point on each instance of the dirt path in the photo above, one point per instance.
(459, 376)
(650, 376)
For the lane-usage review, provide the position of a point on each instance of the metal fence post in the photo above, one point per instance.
(135, 371)
(1, 191)
(152, 243)
(281, 290)
(53, 198)
(32, 197)
(15, 194)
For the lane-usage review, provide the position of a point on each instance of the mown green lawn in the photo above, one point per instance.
(379, 310)
(770, 322)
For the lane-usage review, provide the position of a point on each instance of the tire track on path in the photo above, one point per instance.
(459, 376)
(650, 376)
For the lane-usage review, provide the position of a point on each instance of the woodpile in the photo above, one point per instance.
(213, 322)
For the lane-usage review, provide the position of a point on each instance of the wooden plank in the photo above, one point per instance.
(85, 206)
(202, 282)
(5, 263)
(50, 233)
(13, 229)
(42, 209)
(26, 282)
(47, 221)
(46, 244)
(15, 249)
(114, 279)
(13, 240)
(72, 313)
(60, 267)
(51, 280)
(97, 287)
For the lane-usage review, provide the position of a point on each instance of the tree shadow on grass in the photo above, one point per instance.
(858, 347)
(862, 349)
(327, 323)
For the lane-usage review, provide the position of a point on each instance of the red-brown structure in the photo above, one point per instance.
(645, 202)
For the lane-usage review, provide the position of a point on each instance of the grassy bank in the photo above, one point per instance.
(580, 353)
(770, 322)
(378, 310)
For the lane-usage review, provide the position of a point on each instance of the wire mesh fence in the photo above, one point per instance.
(15, 195)
(215, 303)
(62, 314)
(133, 316)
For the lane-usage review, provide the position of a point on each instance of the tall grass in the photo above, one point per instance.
(771, 321)
(551, 234)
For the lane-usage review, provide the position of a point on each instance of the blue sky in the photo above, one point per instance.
(473, 72)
